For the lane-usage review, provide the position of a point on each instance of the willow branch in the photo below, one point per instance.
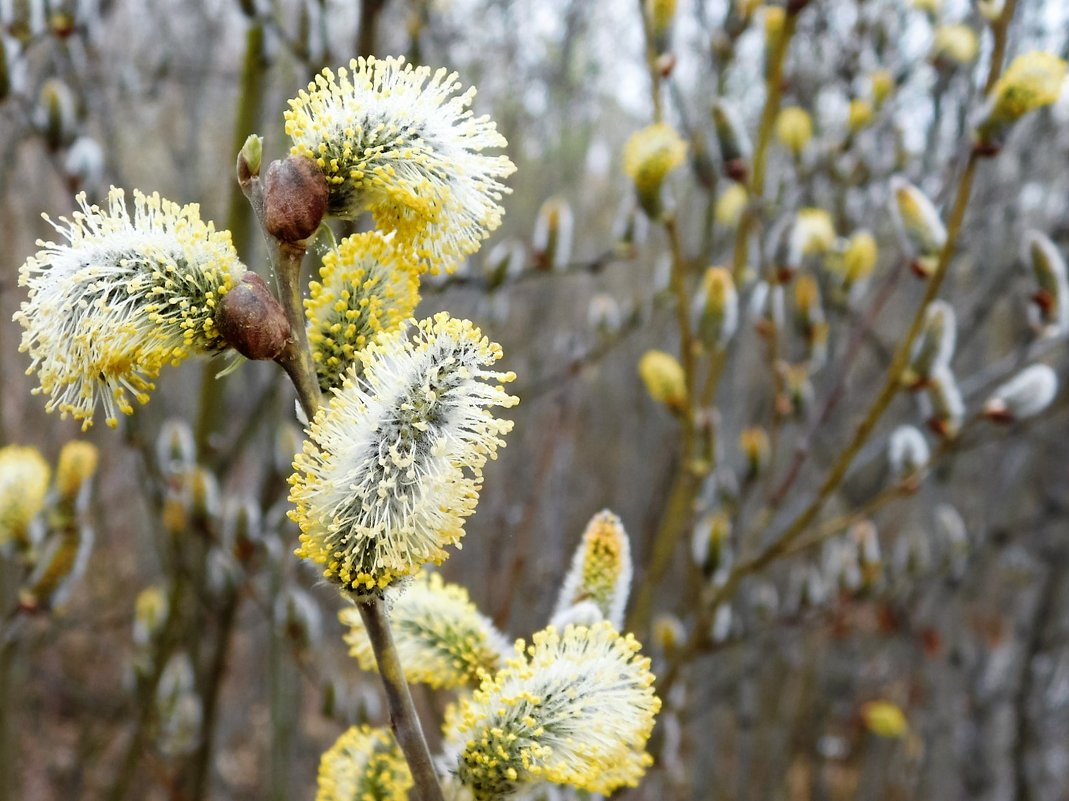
(756, 186)
(403, 718)
(296, 359)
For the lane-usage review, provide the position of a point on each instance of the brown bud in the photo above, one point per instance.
(666, 62)
(737, 170)
(251, 321)
(1044, 300)
(295, 198)
(62, 24)
(987, 150)
(997, 411)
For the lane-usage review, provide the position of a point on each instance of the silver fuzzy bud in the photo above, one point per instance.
(1025, 395)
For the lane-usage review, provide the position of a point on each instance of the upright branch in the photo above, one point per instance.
(756, 185)
(289, 204)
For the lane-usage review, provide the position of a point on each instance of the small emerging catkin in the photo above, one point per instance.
(1025, 395)
(935, 346)
(59, 564)
(907, 451)
(600, 571)
(954, 46)
(730, 205)
(664, 379)
(661, 14)
(882, 84)
(1050, 312)
(865, 539)
(57, 113)
(920, 229)
(77, 464)
(1033, 80)
(991, 10)
(503, 262)
(711, 543)
(953, 538)
(649, 156)
(755, 446)
(884, 719)
(948, 407)
(554, 230)
(859, 115)
(668, 633)
(812, 234)
(24, 476)
(735, 146)
(807, 303)
(859, 257)
(604, 315)
(717, 308)
(794, 129)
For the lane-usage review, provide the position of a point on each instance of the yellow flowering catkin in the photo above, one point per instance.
(393, 463)
(860, 257)
(77, 464)
(574, 708)
(442, 639)
(401, 143)
(955, 45)
(366, 285)
(123, 295)
(364, 764)
(24, 475)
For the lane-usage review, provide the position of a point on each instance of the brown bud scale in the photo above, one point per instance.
(295, 198)
(251, 320)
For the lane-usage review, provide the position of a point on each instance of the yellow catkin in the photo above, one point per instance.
(794, 129)
(884, 719)
(649, 156)
(441, 637)
(401, 143)
(24, 476)
(664, 379)
(366, 285)
(393, 463)
(77, 464)
(364, 764)
(573, 708)
(170, 269)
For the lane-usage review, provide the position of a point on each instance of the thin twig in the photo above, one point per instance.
(403, 718)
